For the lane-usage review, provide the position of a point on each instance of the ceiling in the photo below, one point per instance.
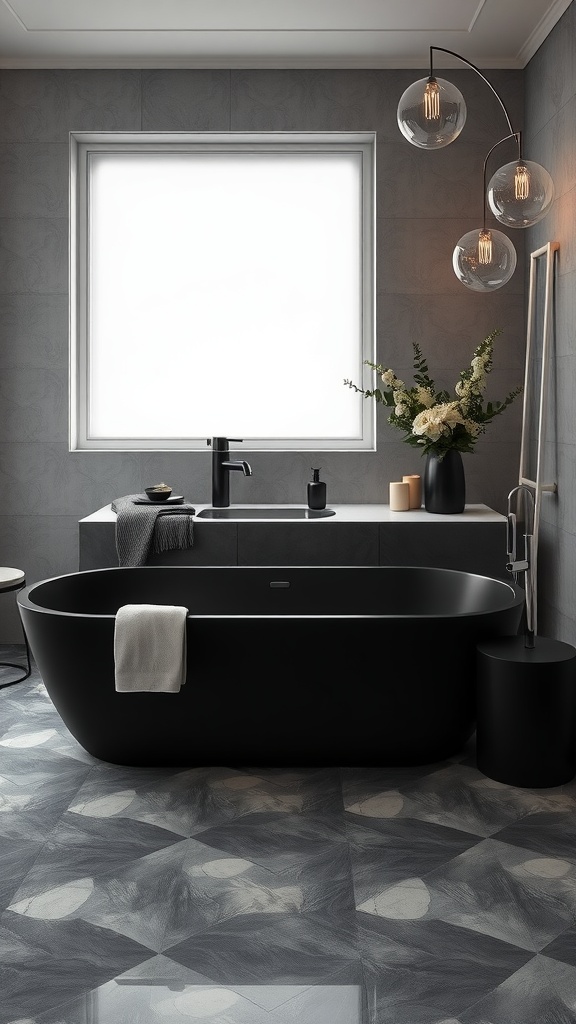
(271, 33)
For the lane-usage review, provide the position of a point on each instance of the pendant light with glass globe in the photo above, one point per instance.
(431, 115)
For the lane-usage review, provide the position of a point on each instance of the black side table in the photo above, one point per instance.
(526, 711)
(11, 580)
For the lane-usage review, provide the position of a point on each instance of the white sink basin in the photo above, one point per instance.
(273, 512)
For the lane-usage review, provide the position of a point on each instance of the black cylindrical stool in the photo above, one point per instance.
(526, 711)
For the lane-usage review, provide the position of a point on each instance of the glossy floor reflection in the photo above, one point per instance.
(255, 895)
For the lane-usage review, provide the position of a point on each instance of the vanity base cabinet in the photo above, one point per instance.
(474, 544)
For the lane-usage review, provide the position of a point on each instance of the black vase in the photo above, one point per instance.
(444, 483)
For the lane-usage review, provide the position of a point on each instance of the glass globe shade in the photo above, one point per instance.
(520, 193)
(417, 118)
(482, 269)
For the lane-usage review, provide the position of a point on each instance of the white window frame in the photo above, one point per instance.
(82, 145)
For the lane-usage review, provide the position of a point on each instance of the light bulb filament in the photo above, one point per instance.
(485, 247)
(432, 100)
(521, 182)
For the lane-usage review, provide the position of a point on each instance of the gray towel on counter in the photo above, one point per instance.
(141, 529)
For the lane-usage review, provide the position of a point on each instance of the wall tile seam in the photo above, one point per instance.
(557, 529)
(557, 195)
(35, 217)
(529, 137)
(559, 270)
(11, 143)
(439, 295)
(491, 222)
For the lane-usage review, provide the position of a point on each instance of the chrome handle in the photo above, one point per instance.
(521, 566)
(511, 537)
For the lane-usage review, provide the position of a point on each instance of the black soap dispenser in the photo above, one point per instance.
(316, 491)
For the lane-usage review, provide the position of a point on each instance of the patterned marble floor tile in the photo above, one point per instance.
(163, 898)
(186, 802)
(44, 964)
(160, 991)
(363, 789)
(542, 992)
(16, 860)
(459, 796)
(427, 972)
(11, 712)
(286, 950)
(274, 840)
(25, 735)
(287, 1001)
(551, 832)
(86, 847)
(30, 809)
(320, 788)
(31, 766)
(563, 947)
(303, 791)
(501, 890)
(246, 878)
(392, 850)
(280, 775)
(28, 719)
(320, 871)
(30, 697)
(63, 743)
(36, 706)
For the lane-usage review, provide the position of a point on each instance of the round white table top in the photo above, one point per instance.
(10, 577)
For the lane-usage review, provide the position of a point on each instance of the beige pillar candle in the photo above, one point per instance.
(414, 482)
(399, 496)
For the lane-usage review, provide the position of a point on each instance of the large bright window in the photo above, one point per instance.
(221, 284)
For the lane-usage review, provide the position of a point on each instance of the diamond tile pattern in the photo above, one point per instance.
(257, 895)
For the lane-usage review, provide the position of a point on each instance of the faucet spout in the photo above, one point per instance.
(241, 466)
(222, 466)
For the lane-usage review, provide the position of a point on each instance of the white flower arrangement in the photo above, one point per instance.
(435, 421)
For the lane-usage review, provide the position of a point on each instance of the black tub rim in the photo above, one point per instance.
(516, 595)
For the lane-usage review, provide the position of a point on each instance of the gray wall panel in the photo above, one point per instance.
(425, 202)
(551, 140)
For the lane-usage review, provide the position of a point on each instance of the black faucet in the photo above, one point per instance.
(221, 469)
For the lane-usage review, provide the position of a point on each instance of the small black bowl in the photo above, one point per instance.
(158, 495)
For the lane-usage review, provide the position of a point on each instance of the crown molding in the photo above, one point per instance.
(542, 30)
(242, 63)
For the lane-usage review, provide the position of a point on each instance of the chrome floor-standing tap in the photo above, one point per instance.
(222, 467)
(526, 564)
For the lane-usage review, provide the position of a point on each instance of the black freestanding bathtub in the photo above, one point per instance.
(294, 666)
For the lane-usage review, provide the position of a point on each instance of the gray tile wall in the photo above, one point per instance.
(426, 201)
(551, 140)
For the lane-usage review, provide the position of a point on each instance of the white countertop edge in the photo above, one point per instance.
(344, 514)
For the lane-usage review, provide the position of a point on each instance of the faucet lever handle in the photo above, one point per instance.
(213, 441)
(511, 537)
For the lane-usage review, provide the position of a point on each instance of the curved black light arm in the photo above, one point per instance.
(513, 135)
(484, 79)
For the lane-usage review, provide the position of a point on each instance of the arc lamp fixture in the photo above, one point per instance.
(431, 115)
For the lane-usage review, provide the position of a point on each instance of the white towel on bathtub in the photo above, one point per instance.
(150, 647)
